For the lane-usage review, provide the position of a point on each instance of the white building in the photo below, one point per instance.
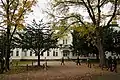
(53, 53)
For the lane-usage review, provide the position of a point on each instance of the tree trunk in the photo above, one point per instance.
(2, 60)
(7, 55)
(101, 53)
(7, 60)
(97, 56)
(8, 48)
(38, 59)
(2, 66)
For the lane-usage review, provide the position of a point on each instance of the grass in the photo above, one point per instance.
(17, 62)
(21, 67)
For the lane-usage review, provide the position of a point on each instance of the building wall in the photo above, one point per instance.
(66, 40)
(53, 53)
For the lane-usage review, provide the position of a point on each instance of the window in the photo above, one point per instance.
(35, 54)
(17, 53)
(63, 41)
(53, 53)
(66, 41)
(30, 53)
(48, 53)
(11, 53)
(41, 54)
(64, 54)
(56, 53)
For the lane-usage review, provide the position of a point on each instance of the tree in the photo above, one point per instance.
(2, 51)
(81, 45)
(97, 19)
(111, 40)
(116, 41)
(36, 36)
(12, 17)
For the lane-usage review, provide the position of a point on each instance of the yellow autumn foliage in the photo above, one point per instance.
(13, 12)
(84, 30)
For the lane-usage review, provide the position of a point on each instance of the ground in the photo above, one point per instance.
(69, 71)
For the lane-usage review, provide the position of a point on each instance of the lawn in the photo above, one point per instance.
(70, 71)
(22, 66)
(20, 63)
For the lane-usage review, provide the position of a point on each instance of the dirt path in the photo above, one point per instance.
(68, 72)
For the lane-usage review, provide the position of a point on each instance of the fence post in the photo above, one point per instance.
(32, 63)
(45, 64)
(27, 67)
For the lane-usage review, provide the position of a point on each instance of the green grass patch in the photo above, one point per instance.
(23, 66)
(20, 63)
(23, 69)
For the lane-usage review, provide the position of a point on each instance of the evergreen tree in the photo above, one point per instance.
(36, 36)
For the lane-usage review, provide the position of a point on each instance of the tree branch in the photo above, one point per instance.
(70, 2)
(79, 19)
(3, 3)
(67, 28)
(99, 12)
(74, 16)
(89, 12)
(14, 11)
(103, 3)
(16, 21)
(114, 13)
(13, 32)
(73, 2)
(12, 2)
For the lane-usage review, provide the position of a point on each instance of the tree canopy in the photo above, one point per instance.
(87, 16)
(36, 36)
(12, 13)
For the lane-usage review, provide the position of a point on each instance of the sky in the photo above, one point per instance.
(42, 5)
(38, 11)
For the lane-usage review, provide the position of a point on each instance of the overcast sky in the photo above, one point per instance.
(38, 11)
(42, 5)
